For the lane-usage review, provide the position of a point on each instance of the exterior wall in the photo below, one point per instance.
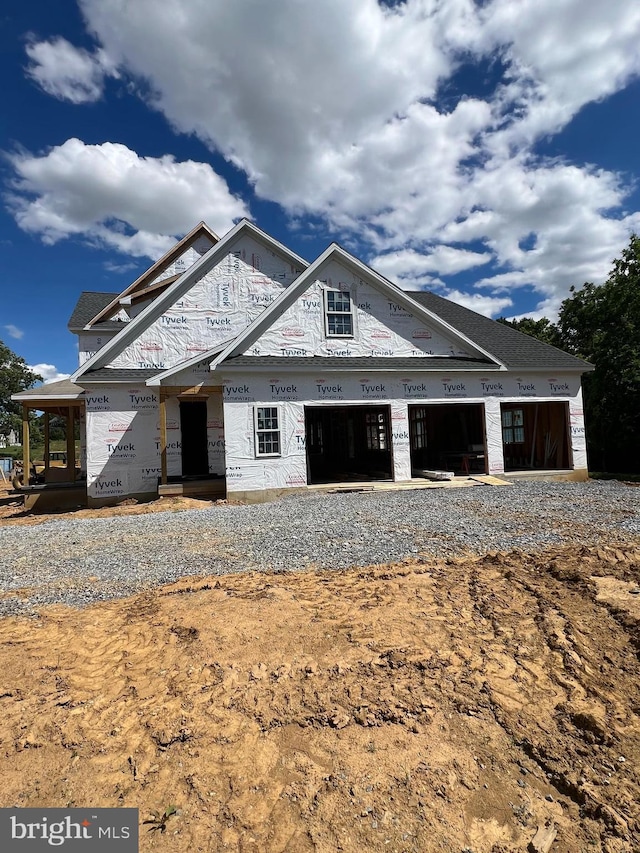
(123, 455)
(291, 392)
(381, 327)
(89, 344)
(123, 440)
(218, 307)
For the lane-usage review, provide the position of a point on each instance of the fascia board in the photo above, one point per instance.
(132, 329)
(406, 301)
(165, 260)
(19, 398)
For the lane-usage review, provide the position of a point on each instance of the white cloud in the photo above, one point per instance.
(108, 194)
(119, 269)
(49, 372)
(67, 72)
(14, 331)
(332, 109)
(407, 264)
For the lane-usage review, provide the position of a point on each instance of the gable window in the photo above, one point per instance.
(338, 314)
(267, 430)
(513, 426)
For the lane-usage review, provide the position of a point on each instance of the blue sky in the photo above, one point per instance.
(487, 151)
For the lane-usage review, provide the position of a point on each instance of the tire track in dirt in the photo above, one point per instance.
(423, 706)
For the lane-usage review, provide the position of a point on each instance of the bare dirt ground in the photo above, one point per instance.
(12, 511)
(454, 705)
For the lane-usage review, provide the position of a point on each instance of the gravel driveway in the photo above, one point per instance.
(78, 561)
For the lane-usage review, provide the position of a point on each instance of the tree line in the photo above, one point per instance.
(601, 323)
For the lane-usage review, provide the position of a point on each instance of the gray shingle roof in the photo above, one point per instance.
(516, 350)
(363, 363)
(117, 374)
(88, 305)
(63, 389)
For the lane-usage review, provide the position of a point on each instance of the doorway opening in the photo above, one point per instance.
(348, 443)
(447, 437)
(535, 435)
(193, 426)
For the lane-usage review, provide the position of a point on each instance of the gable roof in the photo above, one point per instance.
(88, 305)
(201, 229)
(188, 278)
(515, 350)
(336, 253)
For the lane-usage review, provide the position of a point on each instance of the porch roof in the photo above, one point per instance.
(53, 394)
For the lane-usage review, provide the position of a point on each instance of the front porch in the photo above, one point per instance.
(58, 481)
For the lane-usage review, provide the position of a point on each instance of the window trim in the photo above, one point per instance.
(257, 432)
(349, 313)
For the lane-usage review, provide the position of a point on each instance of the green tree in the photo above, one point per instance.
(601, 323)
(15, 376)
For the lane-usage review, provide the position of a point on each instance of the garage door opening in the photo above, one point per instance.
(447, 437)
(348, 443)
(535, 435)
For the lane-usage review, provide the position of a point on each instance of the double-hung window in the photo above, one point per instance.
(267, 430)
(513, 426)
(338, 314)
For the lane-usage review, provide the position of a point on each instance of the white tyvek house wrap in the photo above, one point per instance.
(382, 328)
(420, 387)
(182, 263)
(197, 374)
(400, 445)
(217, 308)
(291, 392)
(215, 435)
(246, 473)
(578, 434)
(493, 432)
(122, 456)
(89, 343)
(123, 440)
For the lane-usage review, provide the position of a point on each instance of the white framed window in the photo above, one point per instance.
(513, 426)
(267, 430)
(338, 314)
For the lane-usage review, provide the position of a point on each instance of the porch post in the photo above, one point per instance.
(26, 461)
(163, 438)
(46, 446)
(71, 445)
